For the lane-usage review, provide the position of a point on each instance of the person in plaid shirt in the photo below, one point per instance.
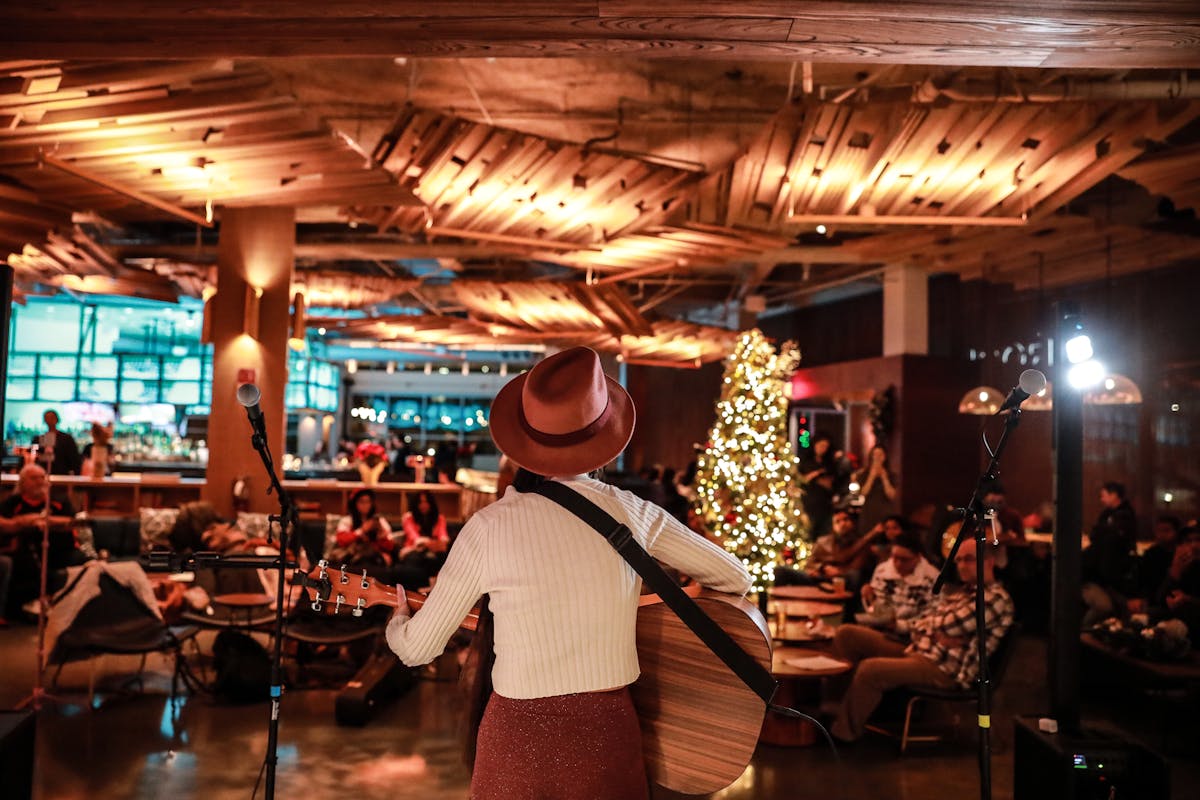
(942, 654)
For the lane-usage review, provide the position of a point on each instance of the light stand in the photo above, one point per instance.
(248, 395)
(1066, 568)
(973, 517)
(39, 695)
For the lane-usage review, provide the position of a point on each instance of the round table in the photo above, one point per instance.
(797, 687)
(809, 593)
(807, 608)
(246, 601)
(799, 632)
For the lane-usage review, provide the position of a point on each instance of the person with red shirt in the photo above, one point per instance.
(363, 537)
(424, 526)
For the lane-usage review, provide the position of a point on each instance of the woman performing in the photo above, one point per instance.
(560, 722)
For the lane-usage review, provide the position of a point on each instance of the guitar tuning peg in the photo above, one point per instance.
(366, 583)
(316, 605)
(344, 578)
(323, 565)
(358, 607)
(337, 607)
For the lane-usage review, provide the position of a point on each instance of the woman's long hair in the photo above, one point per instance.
(425, 521)
(357, 518)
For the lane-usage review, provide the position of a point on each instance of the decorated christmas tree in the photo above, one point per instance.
(746, 478)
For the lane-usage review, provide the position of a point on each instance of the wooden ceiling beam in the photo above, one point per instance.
(331, 251)
(1150, 33)
(127, 191)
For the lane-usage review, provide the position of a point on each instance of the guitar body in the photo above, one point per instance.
(700, 723)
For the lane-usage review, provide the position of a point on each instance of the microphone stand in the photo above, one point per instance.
(973, 517)
(39, 695)
(287, 525)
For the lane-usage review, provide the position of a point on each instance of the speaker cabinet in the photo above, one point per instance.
(16, 754)
(1088, 765)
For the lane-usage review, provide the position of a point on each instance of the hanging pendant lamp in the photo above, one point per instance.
(982, 401)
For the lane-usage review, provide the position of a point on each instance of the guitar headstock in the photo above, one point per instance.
(334, 591)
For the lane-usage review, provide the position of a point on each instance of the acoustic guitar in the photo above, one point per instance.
(700, 723)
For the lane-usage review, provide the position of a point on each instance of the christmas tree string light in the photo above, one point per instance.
(746, 487)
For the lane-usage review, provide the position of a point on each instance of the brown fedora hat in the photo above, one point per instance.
(564, 416)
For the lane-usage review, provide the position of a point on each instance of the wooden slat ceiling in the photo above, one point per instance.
(550, 313)
(980, 32)
(479, 178)
(822, 161)
(332, 290)
(1173, 173)
(1060, 250)
(686, 176)
(181, 134)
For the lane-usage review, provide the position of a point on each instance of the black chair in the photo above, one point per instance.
(116, 622)
(998, 663)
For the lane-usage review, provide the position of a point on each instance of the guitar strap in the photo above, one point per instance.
(752, 673)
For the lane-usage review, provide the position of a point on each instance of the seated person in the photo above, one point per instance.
(363, 538)
(1107, 561)
(843, 552)
(364, 541)
(199, 528)
(901, 587)
(426, 538)
(1179, 595)
(1153, 565)
(884, 533)
(21, 520)
(942, 654)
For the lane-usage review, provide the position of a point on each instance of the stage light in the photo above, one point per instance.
(1079, 348)
(1086, 375)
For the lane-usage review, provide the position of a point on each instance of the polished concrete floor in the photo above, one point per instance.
(142, 746)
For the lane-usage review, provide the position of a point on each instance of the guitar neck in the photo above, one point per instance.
(372, 593)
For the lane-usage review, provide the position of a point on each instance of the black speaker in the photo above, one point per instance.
(1088, 765)
(16, 754)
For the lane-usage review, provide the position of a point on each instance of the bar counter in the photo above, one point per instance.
(122, 495)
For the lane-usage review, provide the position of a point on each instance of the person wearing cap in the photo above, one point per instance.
(560, 722)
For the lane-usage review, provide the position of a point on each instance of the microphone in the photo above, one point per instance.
(249, 395)
(1030, 383)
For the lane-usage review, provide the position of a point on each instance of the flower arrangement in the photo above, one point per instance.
(1166, 641)
(371, 460)
(369, 453)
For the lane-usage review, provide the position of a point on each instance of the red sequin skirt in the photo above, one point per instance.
(569, 747)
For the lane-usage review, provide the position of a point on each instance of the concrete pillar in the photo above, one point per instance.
(249, 335)
(905, 311)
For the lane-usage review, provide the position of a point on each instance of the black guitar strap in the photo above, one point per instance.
(752, 673)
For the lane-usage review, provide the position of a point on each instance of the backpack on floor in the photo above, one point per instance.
(243, 668)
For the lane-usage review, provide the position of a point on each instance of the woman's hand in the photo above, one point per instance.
(402, 608)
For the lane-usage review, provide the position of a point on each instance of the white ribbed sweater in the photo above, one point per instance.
(565, 602)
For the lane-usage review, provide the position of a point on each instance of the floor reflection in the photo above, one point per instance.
(143, 746)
